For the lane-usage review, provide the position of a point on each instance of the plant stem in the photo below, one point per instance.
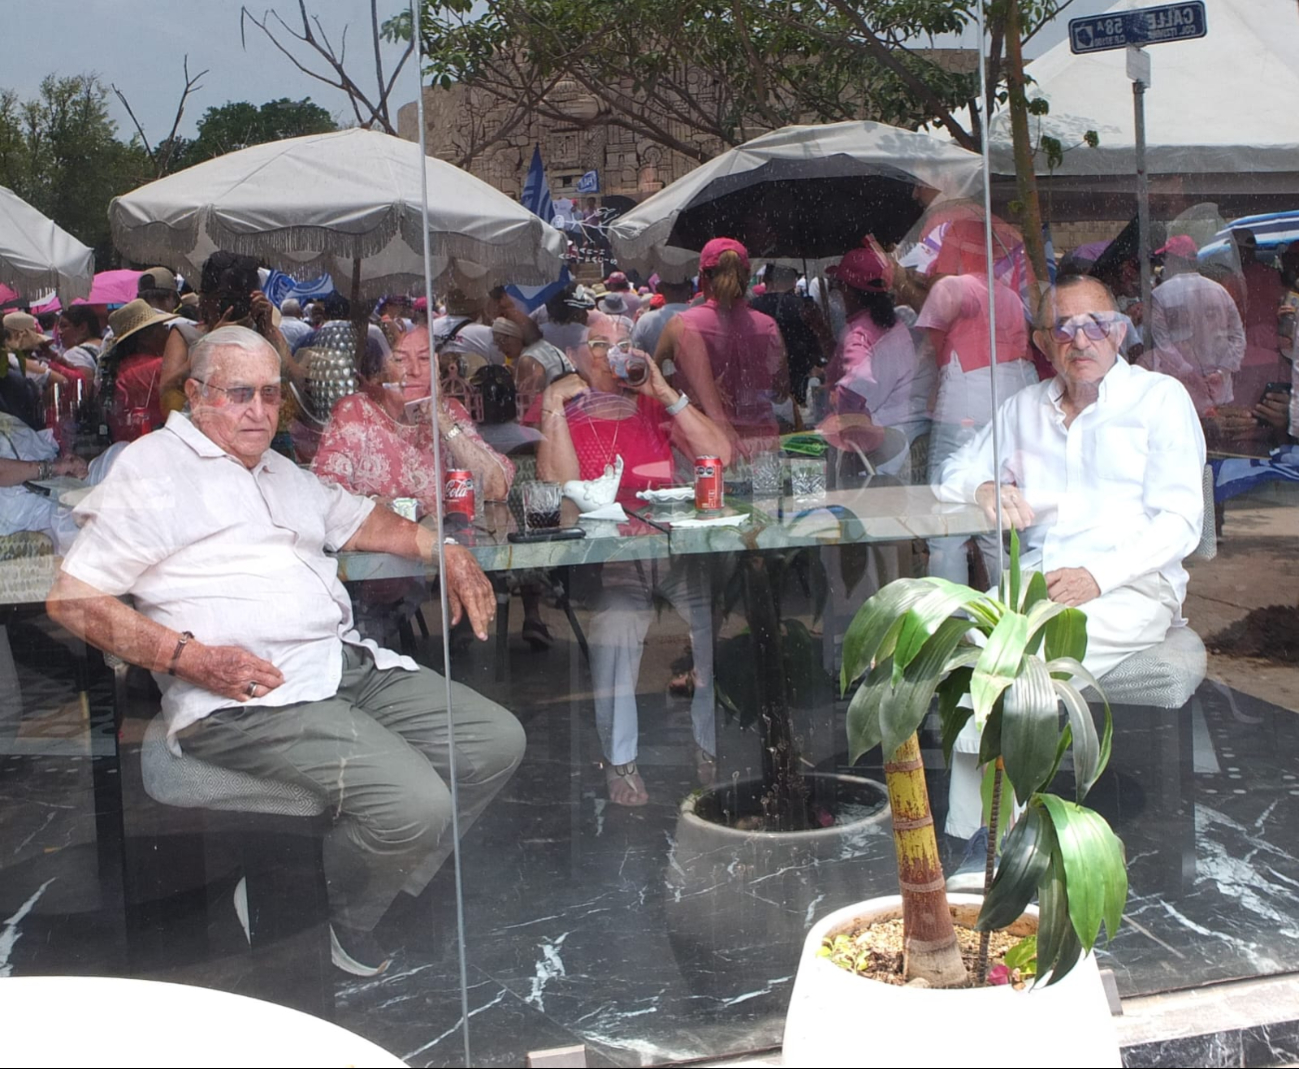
(994, 814)
(930, 947)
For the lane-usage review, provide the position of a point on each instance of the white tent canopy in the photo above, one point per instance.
(1221, 104)
(36, 255)
(640, 237)
(328, 203)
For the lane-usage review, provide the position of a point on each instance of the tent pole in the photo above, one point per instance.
(1143, 207)
(360, 319)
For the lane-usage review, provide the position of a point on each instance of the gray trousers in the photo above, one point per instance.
(379, 751)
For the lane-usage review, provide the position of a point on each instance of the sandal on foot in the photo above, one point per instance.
(625, 785)
(536, 634)
(705, 767)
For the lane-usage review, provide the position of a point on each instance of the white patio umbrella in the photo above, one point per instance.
(807, 192)
(346, 203)
(36, 255)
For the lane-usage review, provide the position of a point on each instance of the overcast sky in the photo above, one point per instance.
(139, 45)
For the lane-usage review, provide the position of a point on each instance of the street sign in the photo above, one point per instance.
(1144, 26)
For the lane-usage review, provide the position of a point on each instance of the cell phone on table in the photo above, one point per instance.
(549, 534)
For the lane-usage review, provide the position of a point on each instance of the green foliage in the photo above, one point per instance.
(914, 639)
(667, 66)
(239, 124)
(59, 151)
(1023, 956)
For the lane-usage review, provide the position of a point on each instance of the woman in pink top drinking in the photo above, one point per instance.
(728, 356)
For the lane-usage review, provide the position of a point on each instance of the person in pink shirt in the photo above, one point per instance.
(876, 378)
(730, 358)
(955, 319)
(589, 420)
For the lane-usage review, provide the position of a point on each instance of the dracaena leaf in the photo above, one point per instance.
(1091, 856)
(1086, 746)
(864, 713)
(880, 614)
(1025, 858)
(1030, 728)
(1066, 635)
(909, 702)
(999, 663)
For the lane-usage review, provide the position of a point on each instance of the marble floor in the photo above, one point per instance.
(614, 928)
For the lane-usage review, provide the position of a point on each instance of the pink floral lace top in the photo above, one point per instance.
(368, 452)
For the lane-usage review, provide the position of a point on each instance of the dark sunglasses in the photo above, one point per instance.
(1095, 326)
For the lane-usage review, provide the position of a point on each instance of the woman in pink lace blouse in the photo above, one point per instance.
(379, 441)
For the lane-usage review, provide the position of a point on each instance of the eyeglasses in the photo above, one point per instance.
(598, 343)
(271, 395)
(1095, 326)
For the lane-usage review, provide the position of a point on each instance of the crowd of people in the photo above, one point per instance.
(890, 357)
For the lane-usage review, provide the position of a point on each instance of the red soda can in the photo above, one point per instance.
(458, 493)
(708, 483)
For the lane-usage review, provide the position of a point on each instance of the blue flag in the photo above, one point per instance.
(536, 190)
(589, 182)
(536, 198)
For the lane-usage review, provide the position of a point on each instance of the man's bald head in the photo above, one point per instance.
(1103, 299)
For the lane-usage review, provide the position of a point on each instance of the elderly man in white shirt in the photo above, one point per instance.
(240, 615)
(1101, 471)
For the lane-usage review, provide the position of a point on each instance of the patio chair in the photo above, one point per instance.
(276, 830)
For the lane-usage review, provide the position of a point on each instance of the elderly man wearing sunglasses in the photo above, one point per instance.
(243, 621)
(1101, 471)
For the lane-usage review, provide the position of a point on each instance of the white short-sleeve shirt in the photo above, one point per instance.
(235, 555)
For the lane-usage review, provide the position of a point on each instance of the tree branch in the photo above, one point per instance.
(886, 57)
(144, 138)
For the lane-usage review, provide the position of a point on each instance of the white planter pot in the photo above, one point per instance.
(837, 1018)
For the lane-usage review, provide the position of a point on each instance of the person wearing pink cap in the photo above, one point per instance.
(728, 356)
(1196, 327)
(875, 376)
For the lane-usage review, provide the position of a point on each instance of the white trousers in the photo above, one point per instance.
(618, 628)
(1122, 622)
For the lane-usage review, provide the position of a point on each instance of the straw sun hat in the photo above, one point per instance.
(23, 333)
(133, 317)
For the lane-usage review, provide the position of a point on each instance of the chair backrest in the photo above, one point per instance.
(1208, 547)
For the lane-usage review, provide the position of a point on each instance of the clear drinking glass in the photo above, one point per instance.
(807, 478)
(768, 473)
(541, 505)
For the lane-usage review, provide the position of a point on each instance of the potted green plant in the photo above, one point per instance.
(1018, 657)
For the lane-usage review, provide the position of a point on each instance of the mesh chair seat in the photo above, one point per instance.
(1164, 676)
(190, 783)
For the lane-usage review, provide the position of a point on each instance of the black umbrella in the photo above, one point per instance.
(810, 208)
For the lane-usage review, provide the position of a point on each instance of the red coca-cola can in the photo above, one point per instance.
(708, 483)
(458, 493)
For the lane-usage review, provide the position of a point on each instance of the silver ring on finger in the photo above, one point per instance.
(252, 689)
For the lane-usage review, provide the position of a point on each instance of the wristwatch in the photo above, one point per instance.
(678, 406)
(455, 430)
(44, 469)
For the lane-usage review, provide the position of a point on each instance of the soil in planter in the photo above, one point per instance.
(832, 801)
(875, 951)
